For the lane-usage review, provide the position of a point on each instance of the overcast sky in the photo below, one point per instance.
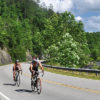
(86, 10)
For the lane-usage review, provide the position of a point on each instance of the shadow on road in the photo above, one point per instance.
(9, 84)
(24, 90)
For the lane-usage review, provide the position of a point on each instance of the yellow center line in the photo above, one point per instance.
(66, 85)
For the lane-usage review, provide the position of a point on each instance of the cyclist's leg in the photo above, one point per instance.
(39, 85)
(14, 73)
(32, 74)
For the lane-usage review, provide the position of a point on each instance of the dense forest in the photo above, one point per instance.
(58, 37)
(94, 45)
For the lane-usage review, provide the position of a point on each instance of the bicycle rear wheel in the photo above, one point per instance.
(18, 80)
(39, 86)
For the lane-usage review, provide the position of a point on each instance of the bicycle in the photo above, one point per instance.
(36, 82)
(17, 77)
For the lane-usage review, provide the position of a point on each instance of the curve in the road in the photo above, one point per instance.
(66, 85)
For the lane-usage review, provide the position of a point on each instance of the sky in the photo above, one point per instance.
(88, 11)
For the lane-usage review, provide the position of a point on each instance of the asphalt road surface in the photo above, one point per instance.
(54, 86)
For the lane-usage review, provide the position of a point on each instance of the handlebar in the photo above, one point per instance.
(40, 72)
(19, 71)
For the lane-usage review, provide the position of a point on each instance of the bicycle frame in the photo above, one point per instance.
(17, 77)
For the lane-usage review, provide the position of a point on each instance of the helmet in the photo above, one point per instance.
(35, 59)
(17, 61)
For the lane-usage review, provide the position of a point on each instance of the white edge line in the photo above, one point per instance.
(4, 97)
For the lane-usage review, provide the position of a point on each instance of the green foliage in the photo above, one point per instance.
(65, 51)
(94, 45)
(2, 32)
(55, 28)
(24, 25)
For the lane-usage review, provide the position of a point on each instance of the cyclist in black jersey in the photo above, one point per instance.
(34, 66)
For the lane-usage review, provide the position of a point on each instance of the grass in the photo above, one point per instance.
(5, 64)
(74, 73)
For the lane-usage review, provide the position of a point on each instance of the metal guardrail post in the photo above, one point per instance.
(96, 74)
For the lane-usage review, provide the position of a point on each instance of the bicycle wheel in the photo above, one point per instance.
(32, 85)
(39, 86)
(18, 80)
(15, 80)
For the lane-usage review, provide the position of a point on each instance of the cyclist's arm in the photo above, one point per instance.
(42, 68)
(20, 68)
(14, 67)
(31, 67)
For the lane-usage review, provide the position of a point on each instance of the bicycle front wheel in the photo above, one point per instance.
(39, 86)
(32, 85)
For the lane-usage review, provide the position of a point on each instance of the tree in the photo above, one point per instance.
(65, 52)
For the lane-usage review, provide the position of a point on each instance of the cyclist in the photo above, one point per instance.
(16, 67)
(34, 66)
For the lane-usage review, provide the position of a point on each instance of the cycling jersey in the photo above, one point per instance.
(35, 64)
(16, 67)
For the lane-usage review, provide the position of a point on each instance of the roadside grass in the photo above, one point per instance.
(5, 64)
(1, 64)
(10, 63)
(74, 73)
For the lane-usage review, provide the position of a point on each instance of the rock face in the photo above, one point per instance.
(28, 56)
(5, 58)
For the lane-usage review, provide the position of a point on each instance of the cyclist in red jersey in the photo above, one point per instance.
(16, 67)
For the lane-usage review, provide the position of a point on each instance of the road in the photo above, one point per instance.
(54, 86)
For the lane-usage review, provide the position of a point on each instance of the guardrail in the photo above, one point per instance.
(74, 69)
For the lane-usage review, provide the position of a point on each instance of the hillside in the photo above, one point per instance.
(24, 26)
(94, 45)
